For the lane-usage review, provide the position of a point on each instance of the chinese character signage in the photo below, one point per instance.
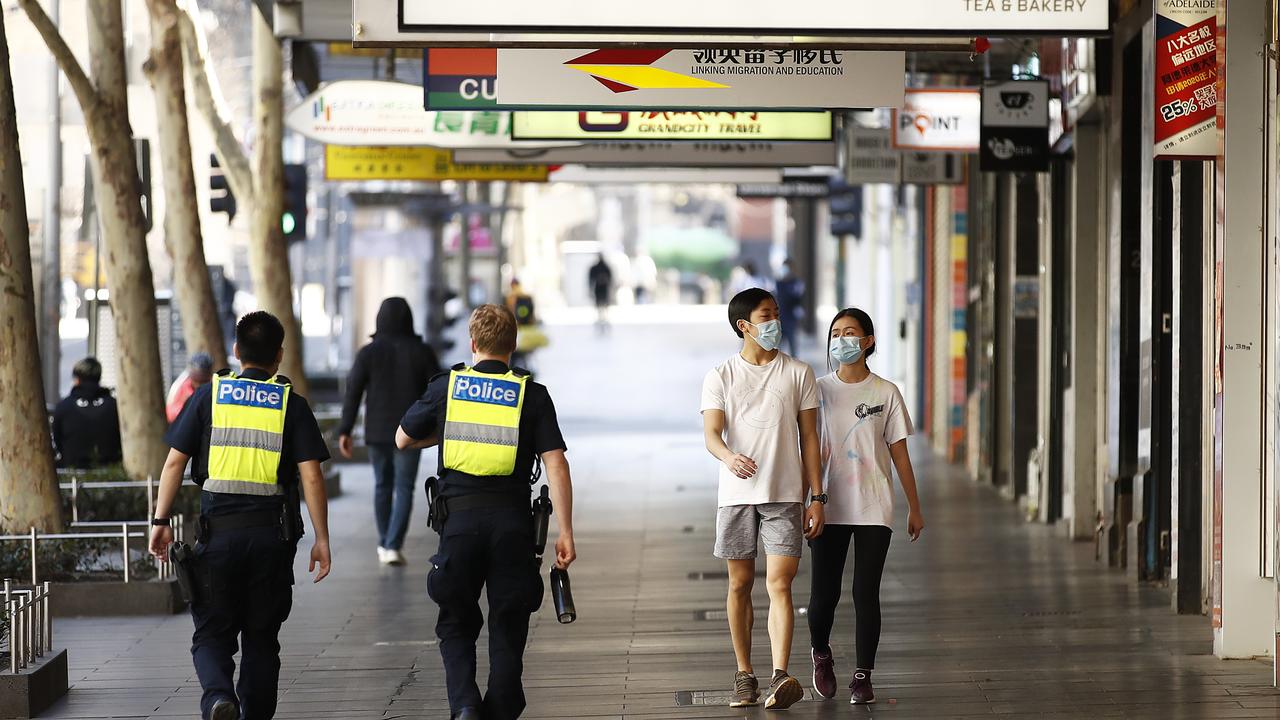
(638, 78)
(373, 112)
(1015, 126)
(352, 162)
(389, 20)
(1186, 79)
(625, 153)
(673, 125)
(943, 119)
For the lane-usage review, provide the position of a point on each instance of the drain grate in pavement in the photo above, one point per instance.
(1052, 613)
(723, 615)
(407, 643)
(685, 698)
(718, 575)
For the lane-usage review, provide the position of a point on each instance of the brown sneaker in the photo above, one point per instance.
(784, 691)
(746, 690)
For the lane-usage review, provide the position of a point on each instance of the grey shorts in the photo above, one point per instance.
(740, 527)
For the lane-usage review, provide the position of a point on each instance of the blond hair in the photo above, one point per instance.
(493, 328)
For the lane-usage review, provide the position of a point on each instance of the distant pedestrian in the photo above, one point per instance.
(745, 277)
(864, 428)
(790, 293)
(199, 372)
(86, 424)
(392, 371)
(600, 278)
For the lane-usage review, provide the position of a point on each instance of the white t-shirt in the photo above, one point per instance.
(762, 405)
(857, 424)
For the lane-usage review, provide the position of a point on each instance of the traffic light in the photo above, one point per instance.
(142, 154)
(845, 203)
(294, 219)
(220, 197)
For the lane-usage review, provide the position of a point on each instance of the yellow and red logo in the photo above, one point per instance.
(624, 70)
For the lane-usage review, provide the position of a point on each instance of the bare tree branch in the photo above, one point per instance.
(80, 83)
(231, 154)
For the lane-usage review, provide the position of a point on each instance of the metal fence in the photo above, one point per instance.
(30, 624)
(164, 568)
(69, 480)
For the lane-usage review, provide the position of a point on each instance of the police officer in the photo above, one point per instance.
(493, 422)
(254, 441)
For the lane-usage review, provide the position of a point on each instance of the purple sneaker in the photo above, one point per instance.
(861, 686)
(824, 674)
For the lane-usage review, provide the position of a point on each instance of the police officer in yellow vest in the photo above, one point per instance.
(253, 441)
(492, 422)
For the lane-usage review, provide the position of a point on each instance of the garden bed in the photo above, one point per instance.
(33, 689)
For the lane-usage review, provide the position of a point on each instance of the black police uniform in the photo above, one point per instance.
(490, 543)
(246, 573)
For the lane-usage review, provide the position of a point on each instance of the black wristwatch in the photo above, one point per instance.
(820, 497)
(161, 522)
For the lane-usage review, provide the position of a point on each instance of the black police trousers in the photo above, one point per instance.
(493, 548)
(245, 596)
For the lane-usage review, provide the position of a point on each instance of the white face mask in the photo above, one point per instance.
(845, 350)
(768, 334)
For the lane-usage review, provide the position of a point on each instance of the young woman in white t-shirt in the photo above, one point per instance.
(864, 426)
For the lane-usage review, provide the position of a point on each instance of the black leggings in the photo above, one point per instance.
(829, 550)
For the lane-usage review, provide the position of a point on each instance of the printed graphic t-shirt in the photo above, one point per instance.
(761, 405)
(857, 424)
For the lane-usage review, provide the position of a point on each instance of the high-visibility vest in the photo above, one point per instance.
(482, 422)
(247, 436)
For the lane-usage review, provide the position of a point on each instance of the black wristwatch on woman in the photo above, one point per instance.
(820, 497)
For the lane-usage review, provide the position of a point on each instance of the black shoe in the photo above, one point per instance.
(224, 710)
(468, 713)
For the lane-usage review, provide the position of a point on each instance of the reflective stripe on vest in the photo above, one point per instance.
(482, 422)
(246, 440)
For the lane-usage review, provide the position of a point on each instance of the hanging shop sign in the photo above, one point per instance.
(666, 176)
(871, 158)
(401, 21)
(622, 153)
(790, 190)
(932, 168)
(638, 78)
(673, 125)
(377, 112)
(939, 119)
(1015, 127)
(1186, 77)
(355, 162)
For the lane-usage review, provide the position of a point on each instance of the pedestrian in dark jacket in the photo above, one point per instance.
(86, 424)
(392, 371)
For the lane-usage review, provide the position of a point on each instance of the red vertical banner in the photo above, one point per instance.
(1186, 74)
(959, 317)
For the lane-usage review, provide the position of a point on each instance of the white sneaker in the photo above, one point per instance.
(394, 557)
(384, 555)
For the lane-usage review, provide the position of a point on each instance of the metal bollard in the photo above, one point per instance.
(48, 617)
(34, 575)
(125, 537)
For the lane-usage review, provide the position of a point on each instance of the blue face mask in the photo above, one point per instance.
(768, 334)
(845, 350)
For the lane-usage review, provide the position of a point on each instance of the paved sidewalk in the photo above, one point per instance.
(985, 615)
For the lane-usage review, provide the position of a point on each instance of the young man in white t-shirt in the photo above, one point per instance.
(760, 420)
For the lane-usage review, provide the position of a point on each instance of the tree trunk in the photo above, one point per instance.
(28, 483)
(268, 251)
(140, 391)
(200, 325)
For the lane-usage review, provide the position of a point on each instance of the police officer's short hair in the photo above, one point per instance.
(259, 335)
(493, 328)
(744, 303)
(87, 370)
